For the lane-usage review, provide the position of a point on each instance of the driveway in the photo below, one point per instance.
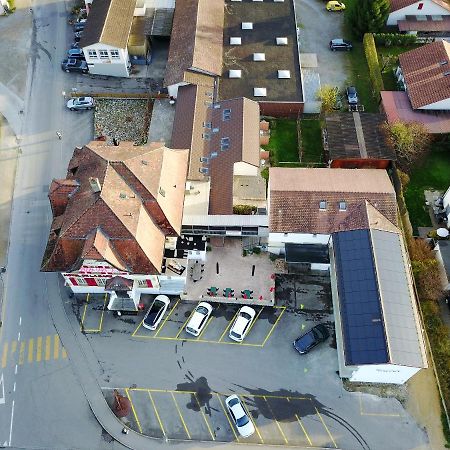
(317, 27)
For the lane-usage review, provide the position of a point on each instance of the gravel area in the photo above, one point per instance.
(124, 120)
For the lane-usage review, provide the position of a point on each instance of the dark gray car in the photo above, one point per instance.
(311, 338)
(74, 65)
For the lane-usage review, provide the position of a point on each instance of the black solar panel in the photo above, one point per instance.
(361, 315)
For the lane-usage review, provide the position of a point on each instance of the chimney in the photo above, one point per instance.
(95, 184)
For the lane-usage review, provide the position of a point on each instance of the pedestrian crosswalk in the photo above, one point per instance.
(33, 350)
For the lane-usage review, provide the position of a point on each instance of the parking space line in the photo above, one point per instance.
(181, 417)
(253, 323)
(139, 326)
(244, 405)
(64, 353)
(48, 341)
(274, 325)
(226, 415)
(326, 428)
(5, 354)
(302, 427)
(228, 326)
(56, 347)
(84, 313)
(167, 317)
(103, 312)
(22, 352)
(363, 413)
(205, 327)
(30, 350)
(184, 325)
(157, 414)
(134, 411)
(275, 420)
(204, 417)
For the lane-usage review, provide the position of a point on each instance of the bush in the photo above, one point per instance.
(404, 178)
(370, 51)
(244, 210)
(256, 250)
(390, 39)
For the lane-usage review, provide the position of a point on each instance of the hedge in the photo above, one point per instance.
(389, 39)
(370, 51)
(244, 210)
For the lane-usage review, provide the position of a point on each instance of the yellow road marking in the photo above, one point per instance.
(275, 420)
(5, 354)
(13, 347)
(134, 411)
(166, 338)
(139, 326)
(181, 417)
(184, 325)
(168, 315)
(273, 326)
(205, 327)
(56, 347)
(22, 352)
(244, 405)
(228, 326)
(30, 350)
(253, 323)
(326, 428)
(64, 353)
(84, 312)
(302, 427)
(157, 414)
(374, 414)
(226, 415)
(103, 312)
(204, 417)
(39, 349)
(48, 345)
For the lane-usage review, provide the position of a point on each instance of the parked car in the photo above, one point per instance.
(77, 36)
(335, 6)
(199, 318)
(242, 323)
(75, 45)
(340, 44)
(79, 26)
(76, 53)
(352, 95)
(80, 103)
(156, 312)
(240, 418)
(307, 341)
(74, 65)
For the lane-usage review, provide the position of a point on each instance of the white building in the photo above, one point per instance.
(400, 9)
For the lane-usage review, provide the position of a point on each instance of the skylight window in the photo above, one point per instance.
(284, 74)
(323, 205)
(259, 92)
(259, 56)
(235, 41)
(282, 41)
(234, 73)
(247, 25)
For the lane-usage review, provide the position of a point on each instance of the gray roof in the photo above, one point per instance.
(444, 248)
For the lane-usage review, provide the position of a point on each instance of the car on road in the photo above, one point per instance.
(156, 312)
(80, 103)
(352, 95)
(340, 44)
(307, 341)
(240, 418)
(334, 5)
(74, 65)
(76, 53)
(242, 323)
(77, 36)
(79, 26)
(199, 318)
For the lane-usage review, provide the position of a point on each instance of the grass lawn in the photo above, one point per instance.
(433, 173)
(283, 145)
(311, 132)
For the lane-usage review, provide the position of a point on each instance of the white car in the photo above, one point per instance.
(79, 103)
(199, 318)
(242, 323)
(240, 418)
(156, 312)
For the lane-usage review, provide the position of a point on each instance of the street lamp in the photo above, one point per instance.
(2, 271)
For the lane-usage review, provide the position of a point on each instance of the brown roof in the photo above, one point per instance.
(127, 200)
(109, 22)
(399, 4)
(196, 41)
(295, 195)
(427, 73)
(412, 24)
(357, 136)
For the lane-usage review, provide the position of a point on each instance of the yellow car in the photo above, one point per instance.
(335, 6)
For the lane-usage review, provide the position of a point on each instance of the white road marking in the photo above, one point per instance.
(18, 336)
(2, 384)
(14, 388)
(20, 320)
(10, 427)
(15, 370)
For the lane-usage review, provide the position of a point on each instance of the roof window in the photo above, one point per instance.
(226, 114)
(247, 25)
(342, 206)
(284, 74)
(282, 41)
(323, 205)
(233, 73)
(259, 92)
(225, 143)
(235, 41)
(259, 56)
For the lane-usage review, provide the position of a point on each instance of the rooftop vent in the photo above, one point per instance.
(247, 25)
(282, 41)
(144, 162)
(122, 195)
(259, 56)
(284, 74)
(446, 74)
(443, 63)
(259, 92)
(234, 74)
(235, 41)
(95, 184)
(278, 0)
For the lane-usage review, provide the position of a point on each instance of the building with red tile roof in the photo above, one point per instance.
(422, 10)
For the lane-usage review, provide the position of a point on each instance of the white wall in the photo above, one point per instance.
(444, 279)
(173, 89)
(446, 202)
(383, 373)
(114, 67)
(277, 240)
(245, 169)
(429, 8)
(442, 105)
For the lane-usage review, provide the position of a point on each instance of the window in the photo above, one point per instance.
(226, 114)
(213, 155)
(92, 53)
(342, 206)
(207, 125)
(103, 54)
(420, 5)
(225, 143)
(323, 205)
(115, 54)
(81, 281)
(206, 136)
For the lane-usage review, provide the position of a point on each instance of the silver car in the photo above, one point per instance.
(80, 103)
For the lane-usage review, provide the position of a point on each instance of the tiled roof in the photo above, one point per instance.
(412, 24)
(427, 73)
(357, 136)
(399, 4)
(127, 200)
(109, 22)
(196, 41)
(295, 196)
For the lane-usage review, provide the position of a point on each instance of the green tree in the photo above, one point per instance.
(328, 95)
(367, 16)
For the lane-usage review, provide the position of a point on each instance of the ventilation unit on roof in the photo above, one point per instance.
(259, 92)
(235, 41)
(259, 56)
(282, 41)
(247, 25)
(234, 73)
(284, 74)
(446, 74)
